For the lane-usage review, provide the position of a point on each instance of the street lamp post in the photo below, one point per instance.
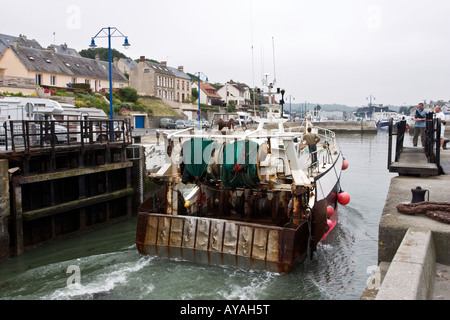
(199, 89)
(108, 32)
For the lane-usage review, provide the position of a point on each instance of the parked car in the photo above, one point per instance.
(205, 123)
(189, 123)
(180, 124)
(167, 123)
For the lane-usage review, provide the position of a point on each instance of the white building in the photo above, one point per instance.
(234, 91)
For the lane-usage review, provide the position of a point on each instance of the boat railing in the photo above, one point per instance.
(323, 155)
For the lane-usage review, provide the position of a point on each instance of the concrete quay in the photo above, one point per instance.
(367, 126)
(413, 251)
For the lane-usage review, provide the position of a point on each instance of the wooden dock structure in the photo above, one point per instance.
(53, 189)
(414, 162)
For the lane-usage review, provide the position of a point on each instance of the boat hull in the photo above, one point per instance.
(229, 242)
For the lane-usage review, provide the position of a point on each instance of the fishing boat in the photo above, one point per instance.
(250, 199)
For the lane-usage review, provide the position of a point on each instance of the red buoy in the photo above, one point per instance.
(343, 198)
(330, 211)
(345, 164)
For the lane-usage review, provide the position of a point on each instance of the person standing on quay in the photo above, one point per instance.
(441, 116)
(419, 126)
(311, 139)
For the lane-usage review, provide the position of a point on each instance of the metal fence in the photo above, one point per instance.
(29, 135)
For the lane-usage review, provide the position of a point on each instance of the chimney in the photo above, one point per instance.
(97, 57)
(164, 63)
(142, 59)
(16, 45)
(116, 62)
(181, 68)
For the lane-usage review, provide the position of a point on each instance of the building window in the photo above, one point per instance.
(53, 80)
(87, 81)
(74, 80)
(146, 70)
(38, 79)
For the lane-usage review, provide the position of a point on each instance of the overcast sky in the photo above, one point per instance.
(319, 51)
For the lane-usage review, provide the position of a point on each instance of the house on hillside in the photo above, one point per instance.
(234, 91)
(207, 94)
(160, 81)
(24, 67)
(125, 65)
(182, 84)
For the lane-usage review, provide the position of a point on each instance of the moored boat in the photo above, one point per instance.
(251, 199)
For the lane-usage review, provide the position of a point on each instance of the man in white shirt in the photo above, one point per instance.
(441, 116)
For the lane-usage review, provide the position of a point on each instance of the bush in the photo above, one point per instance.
(128, 94)
(86, 87)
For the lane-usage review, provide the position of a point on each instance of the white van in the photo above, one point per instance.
(29, 109)
(72, 115)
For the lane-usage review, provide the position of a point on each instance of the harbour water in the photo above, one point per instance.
(105, 264)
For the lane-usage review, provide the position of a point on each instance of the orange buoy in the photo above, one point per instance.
(343, 198)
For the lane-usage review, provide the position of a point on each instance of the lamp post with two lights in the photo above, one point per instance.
(109, 32)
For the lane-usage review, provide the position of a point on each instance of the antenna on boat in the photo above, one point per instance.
(253, 61)
(274, 73)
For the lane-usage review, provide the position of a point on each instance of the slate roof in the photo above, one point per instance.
(57, 63)
(242, 87)
(130, 63)
(8, 41)
(158, 68)
(64, 49)
(179, 74)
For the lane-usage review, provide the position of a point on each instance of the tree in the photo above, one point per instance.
(146, 59)
(194, 93)
(103, 53)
